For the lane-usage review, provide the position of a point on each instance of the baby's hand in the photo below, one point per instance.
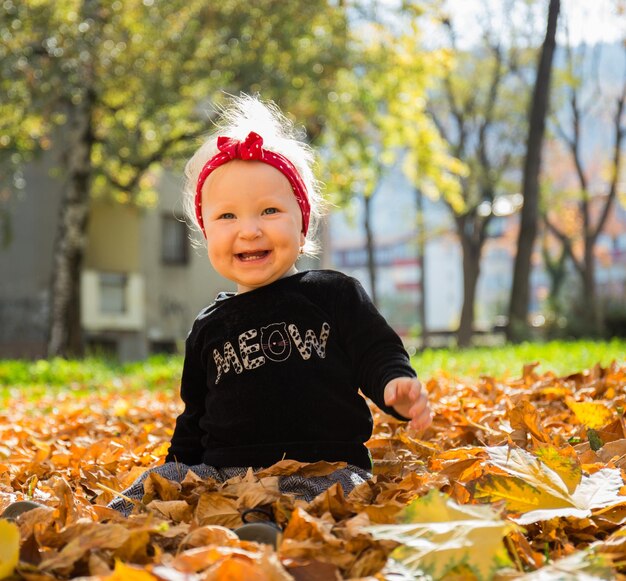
(406, 396)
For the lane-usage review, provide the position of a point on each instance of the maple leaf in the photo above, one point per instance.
(444, 536)
(9, 548)
(539, 493)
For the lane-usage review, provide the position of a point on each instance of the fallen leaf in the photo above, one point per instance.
(124, 572)
(593, 414)
(539, 493)
(215, 509)
(9, 548)
(444, 536)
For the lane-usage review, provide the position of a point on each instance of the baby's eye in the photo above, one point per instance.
(226, 216)
(270, 211)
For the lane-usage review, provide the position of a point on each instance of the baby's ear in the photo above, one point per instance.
(302, 240)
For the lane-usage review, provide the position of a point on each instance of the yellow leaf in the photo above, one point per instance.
(448, 538)
(593, 414)
(551, 497)
(519, 496)
(9, 548)
(564, 462)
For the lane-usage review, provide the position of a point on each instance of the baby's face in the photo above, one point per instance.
(252, 222)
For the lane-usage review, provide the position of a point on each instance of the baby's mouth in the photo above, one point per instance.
(249, 256)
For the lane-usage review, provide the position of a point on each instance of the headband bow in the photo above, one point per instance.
(251, 149)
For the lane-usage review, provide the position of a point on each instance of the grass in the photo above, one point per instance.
(562, 357)
(83, 376)
(163, 372)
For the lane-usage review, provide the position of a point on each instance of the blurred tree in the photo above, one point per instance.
(479, 108)
(409, 131)
(518, 305)
(596, 191)
(379, 114)
(118, 88)
(351, 149)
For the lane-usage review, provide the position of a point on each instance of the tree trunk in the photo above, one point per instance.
(421, 261)
(520, 290)
(369, 244)
(65, 333)
(471, 243)
(556, 271)
(592, 306)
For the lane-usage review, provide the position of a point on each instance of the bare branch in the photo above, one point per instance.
(142, 165)
(490, 107)
(618, 131)
(566, 242)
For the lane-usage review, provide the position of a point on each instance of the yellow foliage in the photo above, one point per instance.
(593, 414)
(9, 548)
(446, 537)
(124, 572)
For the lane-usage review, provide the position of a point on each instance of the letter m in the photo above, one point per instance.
(223, 363)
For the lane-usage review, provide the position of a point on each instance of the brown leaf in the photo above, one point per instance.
(215, 509)
(91, 537)
(313, 570)
(157, 487)
(334, 502)
(209, 535)
(289, 467)
(176, 510)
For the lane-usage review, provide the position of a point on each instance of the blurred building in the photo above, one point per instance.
(399, 271)
(142, 282)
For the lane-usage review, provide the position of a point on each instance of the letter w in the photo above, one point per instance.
(310, 340)
(223, 363)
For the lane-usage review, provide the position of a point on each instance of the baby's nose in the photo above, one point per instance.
(250, 229)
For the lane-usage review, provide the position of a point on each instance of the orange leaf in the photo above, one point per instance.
(524, 416)
(124, 572)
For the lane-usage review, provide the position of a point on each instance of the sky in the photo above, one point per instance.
(589, 21)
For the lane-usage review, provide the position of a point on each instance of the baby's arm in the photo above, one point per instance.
(186, 444)
(382, 365)
(409, 399)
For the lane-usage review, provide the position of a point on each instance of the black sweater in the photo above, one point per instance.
(274, 373)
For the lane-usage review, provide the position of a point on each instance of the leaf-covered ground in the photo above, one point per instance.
(515, 476)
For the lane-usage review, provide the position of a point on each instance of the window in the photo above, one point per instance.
(113, 293)
(173, 241)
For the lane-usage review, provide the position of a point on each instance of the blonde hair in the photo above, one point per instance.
(240, 116)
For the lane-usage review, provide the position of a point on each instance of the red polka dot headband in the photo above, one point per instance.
(251, 148)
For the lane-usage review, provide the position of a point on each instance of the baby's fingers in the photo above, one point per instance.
(422, 421)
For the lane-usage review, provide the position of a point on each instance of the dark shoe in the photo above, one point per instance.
(15, 509)
(259, 532)
(266, 532)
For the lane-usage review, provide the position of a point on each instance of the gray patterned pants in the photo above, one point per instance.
(303, 488)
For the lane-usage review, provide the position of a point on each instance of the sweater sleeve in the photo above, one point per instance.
(375, 349)
(186, 444)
